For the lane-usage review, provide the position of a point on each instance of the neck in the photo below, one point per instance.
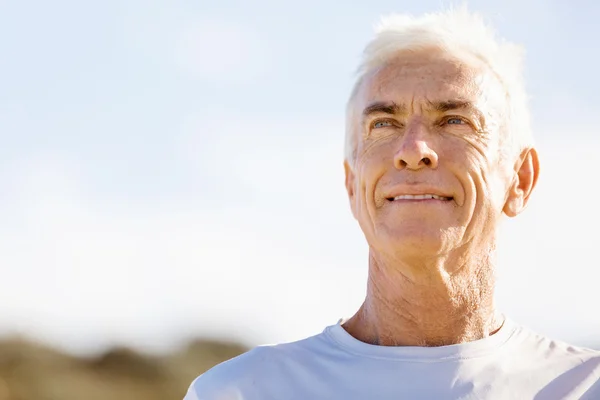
(428, 303)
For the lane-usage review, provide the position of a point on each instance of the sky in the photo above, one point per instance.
(173, 169)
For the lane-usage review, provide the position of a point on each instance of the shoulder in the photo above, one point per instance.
(556, 351)
(569, 369)
(225, 381)
(259, 370)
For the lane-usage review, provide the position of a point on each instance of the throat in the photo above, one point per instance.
(425, 310)
(405, 330)
(423, 333)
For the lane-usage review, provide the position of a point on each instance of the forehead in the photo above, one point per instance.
(412, 78)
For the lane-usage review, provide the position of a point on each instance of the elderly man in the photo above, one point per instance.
(438, 150)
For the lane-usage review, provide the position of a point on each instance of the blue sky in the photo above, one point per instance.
(172, 168)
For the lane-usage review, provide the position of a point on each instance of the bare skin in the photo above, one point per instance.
(428, 124)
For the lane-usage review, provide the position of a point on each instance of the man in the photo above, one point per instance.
(438, 150)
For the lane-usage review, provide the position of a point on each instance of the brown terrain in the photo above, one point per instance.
(31, 371)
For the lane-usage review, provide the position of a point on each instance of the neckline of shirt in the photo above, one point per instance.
(474, 349)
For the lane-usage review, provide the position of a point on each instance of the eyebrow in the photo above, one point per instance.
(455, 105)
(450, 105)
(384, 107)
(439, 106)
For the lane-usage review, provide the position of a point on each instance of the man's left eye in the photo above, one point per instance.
(455, 121)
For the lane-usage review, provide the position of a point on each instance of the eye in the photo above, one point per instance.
(381, 124)
(455, 121)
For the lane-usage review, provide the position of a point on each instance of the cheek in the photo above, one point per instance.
(378, 149)
(362, 177)
(370, 167)
(469, 161)
(476, 151)
(374, 158)
(480, 147)
(490, 185)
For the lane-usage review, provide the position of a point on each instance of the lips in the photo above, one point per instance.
(415, 192)
(425, 196)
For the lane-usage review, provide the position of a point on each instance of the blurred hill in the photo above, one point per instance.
(31, 371)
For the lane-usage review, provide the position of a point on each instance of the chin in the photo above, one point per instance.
(417, 242)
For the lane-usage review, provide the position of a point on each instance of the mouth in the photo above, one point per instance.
(420, 197)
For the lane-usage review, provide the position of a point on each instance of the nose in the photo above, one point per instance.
(414, 151)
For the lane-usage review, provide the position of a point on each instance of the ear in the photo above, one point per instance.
(527, 170)
(350, 185)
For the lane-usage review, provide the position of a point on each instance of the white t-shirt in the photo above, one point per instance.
(514, 363)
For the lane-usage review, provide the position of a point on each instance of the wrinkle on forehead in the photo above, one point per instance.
(422, 80)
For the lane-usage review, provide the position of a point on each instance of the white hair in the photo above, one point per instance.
(458, 32)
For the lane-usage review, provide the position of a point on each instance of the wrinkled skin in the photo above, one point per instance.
(429, 123)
